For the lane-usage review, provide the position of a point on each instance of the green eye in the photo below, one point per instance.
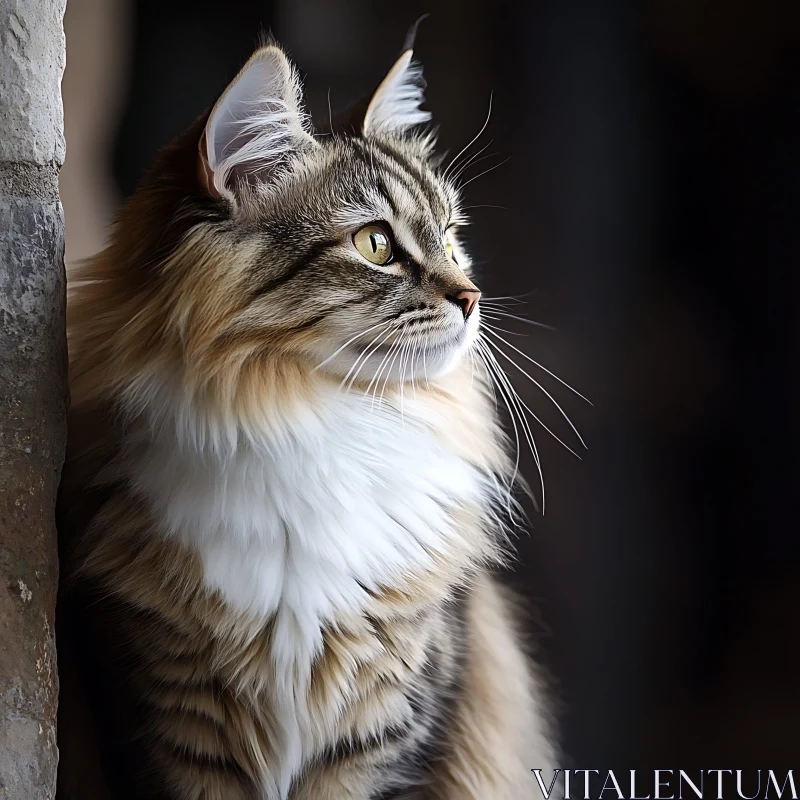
(374, 242)
(448, 248)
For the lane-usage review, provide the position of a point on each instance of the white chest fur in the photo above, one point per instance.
(344, 498)
(300, 522)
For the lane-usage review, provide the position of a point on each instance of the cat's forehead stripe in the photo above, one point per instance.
(416, 176)
(382, 160)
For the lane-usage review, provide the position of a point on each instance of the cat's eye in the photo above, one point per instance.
(374, 242)
(448, 248)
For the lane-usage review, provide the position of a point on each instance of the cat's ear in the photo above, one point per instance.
(255, 127)
(395, 104)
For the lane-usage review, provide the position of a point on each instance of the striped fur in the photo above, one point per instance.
(285, 481)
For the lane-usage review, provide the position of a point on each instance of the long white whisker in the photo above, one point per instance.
(413, 368)
(412, 347)
(379, 339)
(502, 313)
(362, 358)
(544, 369)
(376, 378)
(485, 324)
(511, 399)
(549, 396)
(484, 205)
(515, 401)
(349, 341)
(475, 161)
(470, 160)
(531, 411)
(398, 343)
(485, 172)
(505, 382)
(492, 383)
(474, 139)
(516, 298)
(402, 367)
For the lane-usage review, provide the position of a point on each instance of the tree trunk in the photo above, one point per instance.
(32, 389)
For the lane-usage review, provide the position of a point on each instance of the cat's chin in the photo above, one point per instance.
(380, 366)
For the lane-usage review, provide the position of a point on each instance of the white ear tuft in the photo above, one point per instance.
(255, 126)
(395, 106)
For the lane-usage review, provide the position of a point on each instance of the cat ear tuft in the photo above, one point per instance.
(395, 105)
(255, 127)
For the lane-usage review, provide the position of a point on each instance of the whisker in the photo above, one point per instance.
(413, 369)
(515, 298)
(506, 384)
(506, 314)
(544, 369)
(402, 367)
(368, 351)
(471, 160)
(362, 357)
(485, 324)
(533, 413)
(511, 400)
(492, 384)
(485, 172)
(349, 341)
(376, 378)
(474, 139)
(389, 370)
(542, 389)
(516, 401)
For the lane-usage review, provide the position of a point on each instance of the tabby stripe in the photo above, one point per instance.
(206, 706)
(348, 747)
(422, 180)
(395, 169)
(412, 187)
(315, 251)
(387, 195)
(162, 672)
(399, 163)
(203, 761)
(434, 698)
(184, 743)
(309, 323)
(315, 320)
(422, 202)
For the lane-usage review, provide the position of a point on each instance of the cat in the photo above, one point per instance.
(286, 485)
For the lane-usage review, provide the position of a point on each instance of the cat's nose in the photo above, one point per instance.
(466, 299)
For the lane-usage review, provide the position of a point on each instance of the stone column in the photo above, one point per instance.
(32, 389)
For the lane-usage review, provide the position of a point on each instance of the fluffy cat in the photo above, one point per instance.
(286, 483)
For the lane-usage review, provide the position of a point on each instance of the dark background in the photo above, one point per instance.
(649, 213)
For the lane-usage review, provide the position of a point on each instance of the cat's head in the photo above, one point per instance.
(344, 244)
(257, 241)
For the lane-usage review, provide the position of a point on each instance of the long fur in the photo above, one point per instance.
(285, 484)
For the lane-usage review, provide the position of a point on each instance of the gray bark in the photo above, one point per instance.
(32, 389)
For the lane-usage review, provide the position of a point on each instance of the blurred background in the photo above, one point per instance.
(643, 199)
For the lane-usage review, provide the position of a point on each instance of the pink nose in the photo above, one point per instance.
(467, 299)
